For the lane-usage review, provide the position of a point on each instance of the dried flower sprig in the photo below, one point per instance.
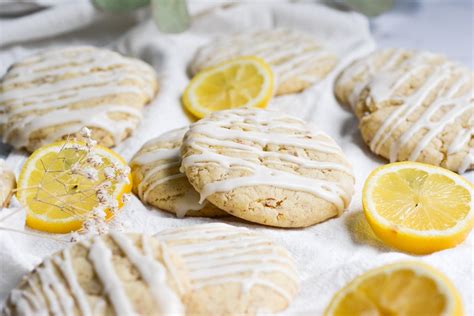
(102, 218)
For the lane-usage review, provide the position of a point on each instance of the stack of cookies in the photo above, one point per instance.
(263, 166)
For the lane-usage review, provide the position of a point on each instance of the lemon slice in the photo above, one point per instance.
(58, 185)
(241, 82)
(418, 208)
(403, 288)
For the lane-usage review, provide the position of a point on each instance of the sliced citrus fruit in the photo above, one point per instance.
(61, 184)
(418, 208)
(241, 82)
(403, 288)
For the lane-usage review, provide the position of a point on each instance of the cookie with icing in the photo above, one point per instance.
(267, 167)
(110, 275)
(413, 105)
(213, 269)
(233, 270)
(298, 61)
(7, 184)
(55, 93)
(157, 180)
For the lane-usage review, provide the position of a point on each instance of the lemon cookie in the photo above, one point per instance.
(157, 180)
(111, 275)
(57, 92)
(213, 269)
(298, 61)
(414, 106)
(7, 184)
(267, 167)
(233, 270)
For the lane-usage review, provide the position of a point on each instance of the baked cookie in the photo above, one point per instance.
(298, 61)
(111, 275)
(57, 92)
(233, 270)
(213, 269)
(267, 167)
(414, 106)
(7, 184)
(157, 180)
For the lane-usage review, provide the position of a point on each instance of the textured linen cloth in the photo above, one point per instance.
(329, 254)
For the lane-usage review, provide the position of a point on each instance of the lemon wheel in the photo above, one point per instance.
(418, 208)
(242, 82)
(403, 288)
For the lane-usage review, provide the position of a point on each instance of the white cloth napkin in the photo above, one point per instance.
(328, 255)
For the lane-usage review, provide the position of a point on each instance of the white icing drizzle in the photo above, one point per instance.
(464, 136)
(53, 82)
(64, 264)
(291, 53)
(101, 258)
(218, 254)
(51, 294)
(168, 159)
(59, 301)
(188, 202)
(261, 127)
(383, 82)
(152, 272)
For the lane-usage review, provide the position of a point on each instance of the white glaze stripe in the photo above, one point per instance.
(69, 275)
(101, 258)
(153, 273)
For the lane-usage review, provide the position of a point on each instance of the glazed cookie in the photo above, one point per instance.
(296, 58)
(233, 271)
(112, 275)
(213, 269)
(267, 167)
(413, 106)
(7, 184)
(157, 180)
(57, 92)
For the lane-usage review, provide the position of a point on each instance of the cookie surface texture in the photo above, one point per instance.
(233, 270)
(298, 61)
(157, 180)
(413, 105)
(267, 167)
(55, 93)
